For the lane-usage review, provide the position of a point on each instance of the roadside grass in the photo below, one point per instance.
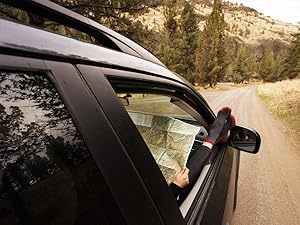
(283, 100)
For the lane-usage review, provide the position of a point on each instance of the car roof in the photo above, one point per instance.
(109, 38)
(43, 44)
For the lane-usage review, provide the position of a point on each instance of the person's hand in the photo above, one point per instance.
(230, 123)
(182, 178)
(218, 130)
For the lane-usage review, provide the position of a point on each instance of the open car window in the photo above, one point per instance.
(169, 131)
(155, 104)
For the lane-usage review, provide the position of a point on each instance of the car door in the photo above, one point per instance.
(104, 83)
(60, 153)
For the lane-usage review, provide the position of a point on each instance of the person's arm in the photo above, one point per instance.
(218, 132)
(196, 162)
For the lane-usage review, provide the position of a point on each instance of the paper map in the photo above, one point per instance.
(169, 140)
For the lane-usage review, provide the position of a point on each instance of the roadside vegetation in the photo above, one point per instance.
(283, 100)
(203, 49)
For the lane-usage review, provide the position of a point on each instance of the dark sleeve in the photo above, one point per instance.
(196, 162)
(195, 165)
(175, 189)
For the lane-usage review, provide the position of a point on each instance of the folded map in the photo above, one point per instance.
(169, 140)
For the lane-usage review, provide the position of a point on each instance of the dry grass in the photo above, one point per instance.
(283, 100)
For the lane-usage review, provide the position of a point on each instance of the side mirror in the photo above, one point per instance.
(244, 139)
(125, 99)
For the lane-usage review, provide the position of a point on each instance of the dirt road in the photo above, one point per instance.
(269, 182)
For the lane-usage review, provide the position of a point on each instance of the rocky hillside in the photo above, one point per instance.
(244, 23)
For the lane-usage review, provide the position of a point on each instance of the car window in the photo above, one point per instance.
(170, 132)
(47, 174)
(156, 104)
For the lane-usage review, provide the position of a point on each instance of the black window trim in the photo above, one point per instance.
(134, 144)
(119, 184)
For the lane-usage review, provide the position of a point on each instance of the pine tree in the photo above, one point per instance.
(210, 57)
(266, 66)
(243, 65)
(190, 37)
(279, 66)
(172, 42)
(292, 65)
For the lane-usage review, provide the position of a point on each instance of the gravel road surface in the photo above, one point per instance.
(269, 182)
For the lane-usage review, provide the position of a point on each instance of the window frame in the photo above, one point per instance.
(195, 201)
(134, 143)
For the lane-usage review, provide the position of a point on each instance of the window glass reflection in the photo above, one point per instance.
(47, 175)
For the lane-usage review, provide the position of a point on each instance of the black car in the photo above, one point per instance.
(71, 147)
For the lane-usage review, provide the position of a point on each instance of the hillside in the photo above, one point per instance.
(244, 23)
